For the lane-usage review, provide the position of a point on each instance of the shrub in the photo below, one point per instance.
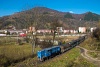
(46, 44)
(3, 60)
(96, 33)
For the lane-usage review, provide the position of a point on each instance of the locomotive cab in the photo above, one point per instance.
(40, 55)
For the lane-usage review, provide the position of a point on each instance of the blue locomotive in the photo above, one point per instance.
(54, 50)
(48, 52)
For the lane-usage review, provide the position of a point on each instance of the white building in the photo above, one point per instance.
(82, 29)
(92, 29)
(60, 29)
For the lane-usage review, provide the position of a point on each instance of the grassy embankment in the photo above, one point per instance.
(7, 41)
(11, 52)
(91, 45)
(71, 59)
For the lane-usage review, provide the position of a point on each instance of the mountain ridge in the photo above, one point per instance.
(45, 16)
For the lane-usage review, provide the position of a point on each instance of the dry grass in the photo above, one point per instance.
(7, 41)
(90, 44)
(61, 38)
(12, 53)
(71, 59)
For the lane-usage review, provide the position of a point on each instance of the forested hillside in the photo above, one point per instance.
(43, 17)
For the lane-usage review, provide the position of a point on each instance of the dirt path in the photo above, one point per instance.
(89, 58)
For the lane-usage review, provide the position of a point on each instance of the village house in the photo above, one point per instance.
(92, 29)
(82, 29)
(43, 31)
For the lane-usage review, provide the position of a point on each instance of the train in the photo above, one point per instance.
(59, 49)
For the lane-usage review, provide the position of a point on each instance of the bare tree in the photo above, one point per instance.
(55, 23)
(35, 24)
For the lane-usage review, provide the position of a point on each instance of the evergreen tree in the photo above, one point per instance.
(68, 15)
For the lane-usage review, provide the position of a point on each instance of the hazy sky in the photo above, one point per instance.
(8, 7)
